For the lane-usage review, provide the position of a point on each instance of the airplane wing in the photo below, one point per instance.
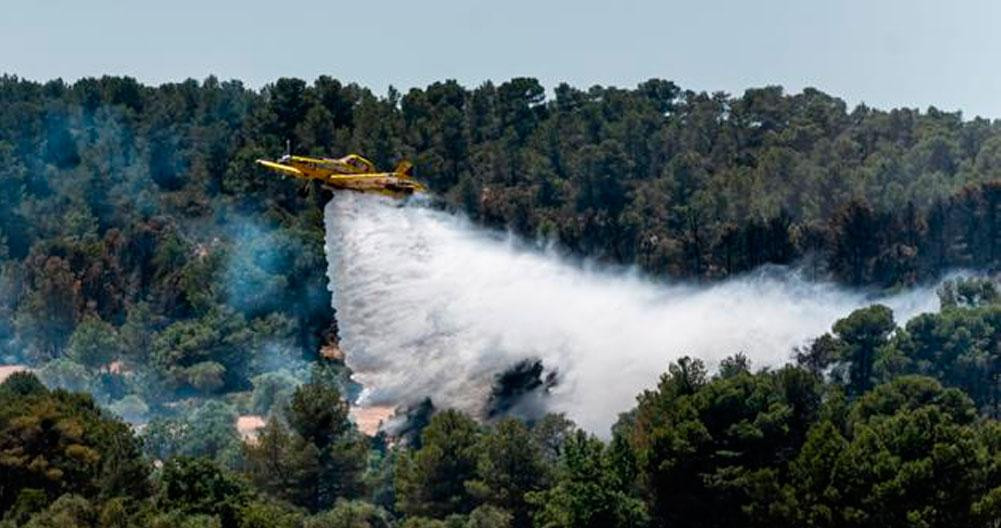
(284, 169)
(383, 176)
(358, 177)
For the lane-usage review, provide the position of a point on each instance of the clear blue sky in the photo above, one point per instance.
(884, 52)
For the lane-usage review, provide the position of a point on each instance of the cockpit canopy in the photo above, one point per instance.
(359, 163)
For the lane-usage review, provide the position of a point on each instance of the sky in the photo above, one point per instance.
(885, 53)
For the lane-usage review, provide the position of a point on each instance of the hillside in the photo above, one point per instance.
(146, 261)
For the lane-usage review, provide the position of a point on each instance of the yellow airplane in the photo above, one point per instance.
(352, 172)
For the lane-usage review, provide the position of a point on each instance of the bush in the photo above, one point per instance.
(131, 408)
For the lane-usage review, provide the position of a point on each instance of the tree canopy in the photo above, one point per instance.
(147, 266)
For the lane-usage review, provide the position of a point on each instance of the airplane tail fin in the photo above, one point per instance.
(405, 168)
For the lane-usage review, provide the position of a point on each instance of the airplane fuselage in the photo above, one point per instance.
(351, 172)
(318, 168)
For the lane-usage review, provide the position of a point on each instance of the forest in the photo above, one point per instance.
(158, 285)
(869, 426)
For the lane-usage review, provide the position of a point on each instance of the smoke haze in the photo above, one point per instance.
(430, 305)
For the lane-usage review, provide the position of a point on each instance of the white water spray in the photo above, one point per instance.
(430, 305)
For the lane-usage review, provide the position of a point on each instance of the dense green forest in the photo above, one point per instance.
(150, 273)
(136, 227)
(858, 433)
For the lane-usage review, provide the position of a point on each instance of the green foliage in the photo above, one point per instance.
(181, 520)
(318, 413)
(912, 458)
(29, 502)
(424, 522)
(48, 314)
(482, 517)
(319, 416)
(811, 478)
(138, 332)
(957, 346)
(702, 444)
(379, 477)
(862, 334)
(79, 223)
(213, 430)
(266, 514)
(907, 452)
(318, 461)
(56, 443)
(272, 390)
(206, 354)
(126, 256)
(136, 229)
(432, 480)
(551, 433)
(586, 492)
(193, 486)
(114, 514)
(510, 465)
(131, 408)
(68, 511)
(489, 517)
(283, 464)
(206, 377)
(206, 431)
(163, 437)
(22, 384)
(66, 374)
(968, 292)
(141, 206)
(350, 514)
(767, 448)
(94, 343)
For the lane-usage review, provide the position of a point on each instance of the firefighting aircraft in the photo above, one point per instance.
(352, 172)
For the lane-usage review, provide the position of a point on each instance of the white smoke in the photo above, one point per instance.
(430, 305)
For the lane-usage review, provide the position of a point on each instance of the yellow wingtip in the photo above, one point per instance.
(285, 169)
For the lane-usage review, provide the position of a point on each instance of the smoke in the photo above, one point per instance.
(430, 305)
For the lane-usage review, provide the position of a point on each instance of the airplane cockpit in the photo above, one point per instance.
(358, 162)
